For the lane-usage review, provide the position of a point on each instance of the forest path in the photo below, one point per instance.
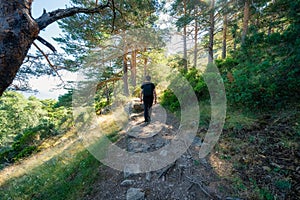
(187, 178)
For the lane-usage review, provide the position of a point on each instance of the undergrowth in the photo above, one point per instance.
(67, 175)
(62, 177)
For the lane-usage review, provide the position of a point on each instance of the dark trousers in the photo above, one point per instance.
(148, 101)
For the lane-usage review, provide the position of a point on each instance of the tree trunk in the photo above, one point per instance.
(211, 32)
(18, 30)
(125, 74)
(246, 20)
(224, 44)
(184, 40)
(145, 63)
(196, 39)
(234, 33)
(270, 28)
(107, 94)
(133, 67)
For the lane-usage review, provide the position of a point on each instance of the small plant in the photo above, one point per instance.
(252, 139)
(283, 185)
(114, 136)
(196, 162)
(265, 194)
(238, 184)
(225, 157)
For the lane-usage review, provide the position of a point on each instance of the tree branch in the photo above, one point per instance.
(47, 44)
(51, 65)
(50, 17)
(113, 79)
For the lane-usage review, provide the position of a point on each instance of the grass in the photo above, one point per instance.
(235, 119)
(238, 120)
(114, 136)
(65, 176)
(69, 172)
(205, 114)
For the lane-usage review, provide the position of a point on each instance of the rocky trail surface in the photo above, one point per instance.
(187, 178)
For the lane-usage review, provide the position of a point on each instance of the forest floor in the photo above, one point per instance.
(257, 161)
(256, 157)
(265, 156)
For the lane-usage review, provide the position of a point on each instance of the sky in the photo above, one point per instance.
(47, 85)
(37, 9)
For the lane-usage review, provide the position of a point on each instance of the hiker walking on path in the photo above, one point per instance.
(148, 94)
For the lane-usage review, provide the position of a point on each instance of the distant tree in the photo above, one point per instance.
(18, 113)
(80, 36)
(246, 20)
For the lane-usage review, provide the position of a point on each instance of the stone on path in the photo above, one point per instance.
(131, 169)
(142, 131)
(197, 141)
(127, 182)
(148, 176)
(135, 194)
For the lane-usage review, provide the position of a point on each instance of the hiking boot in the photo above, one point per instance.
(146, 123)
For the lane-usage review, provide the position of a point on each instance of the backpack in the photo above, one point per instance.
(148, 90)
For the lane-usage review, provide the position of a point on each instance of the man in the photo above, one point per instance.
(148, 94)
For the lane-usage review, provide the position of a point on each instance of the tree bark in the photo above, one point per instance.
(125, 74)
(224, 44)
(18, 30)
(145, 63)
(246, 20)
(196, 39)
(270, 28)
(133, 67)
(211, 32)
(185, 40)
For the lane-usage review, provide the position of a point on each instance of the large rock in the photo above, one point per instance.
(134, 106)
(137, 107)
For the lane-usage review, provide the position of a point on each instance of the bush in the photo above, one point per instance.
(195, 80)
(25, 144)
(25, 152)
(266, 73)
(170, 101)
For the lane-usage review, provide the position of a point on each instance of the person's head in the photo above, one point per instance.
(148, 78)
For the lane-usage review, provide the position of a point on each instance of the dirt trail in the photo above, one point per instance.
(186, 178)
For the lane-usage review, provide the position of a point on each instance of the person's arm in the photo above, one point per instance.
(141, 95)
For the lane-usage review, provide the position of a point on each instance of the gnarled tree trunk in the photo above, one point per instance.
(18, 30)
